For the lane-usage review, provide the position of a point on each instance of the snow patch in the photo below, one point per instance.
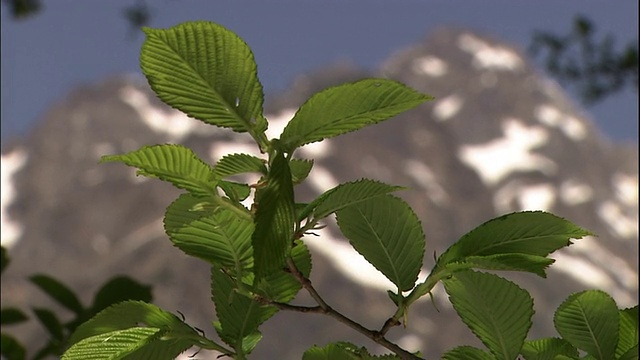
(595, 266)
(411, 342)
(581, 270)
(573, 192)
(589, 247)
(221, 148)
(430, 65)
(571, 126)
(10, 164)
(526, 197)
(447, 107)
(495, 160)
(172, 123)
(626, 188)
(321, 179)
(423, 176)
(486, 56)
(135, 177)
(317, 150)
(350, 263)
(620, 223)
(277, 123)
(537, 197)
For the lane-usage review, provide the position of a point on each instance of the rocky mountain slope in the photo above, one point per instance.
(500, 137)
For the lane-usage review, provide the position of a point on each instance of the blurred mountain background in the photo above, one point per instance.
(501, 136)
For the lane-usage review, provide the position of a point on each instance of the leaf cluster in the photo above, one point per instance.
(115, 290)
(257, 253)
(593, 66)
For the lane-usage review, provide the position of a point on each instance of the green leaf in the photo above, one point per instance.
(234, 164)
(12, 315)
(348, 107)
(274, 220)
(130, 314)
(237, 192)
(118, 289)
(220, 237)
(59, 292)
(333, 351)
(300, 169)
(344, 350)
(631, 354)
(207, 72)
(344, 195)
(282, 286)
(11, 349)
(118, 344)
(388, 234)
(589, 320)
(239, 316)
(250, 342)
(534, 233)
(176, 164)
(467, 353)
(50, 321)
(4, 259)
(628, 330)
(548, 349)
(496, 310)
(509, 262)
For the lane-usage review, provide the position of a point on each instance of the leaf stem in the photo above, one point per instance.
(324, 308)
(419, 291)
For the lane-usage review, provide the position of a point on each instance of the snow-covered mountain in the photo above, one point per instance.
(500, 137)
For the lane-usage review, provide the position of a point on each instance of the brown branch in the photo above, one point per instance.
(289, 307)
(391, 322)
(324, 308)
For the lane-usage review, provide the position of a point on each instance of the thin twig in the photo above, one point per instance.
(391, 322)
(289, 307)
(376, 336)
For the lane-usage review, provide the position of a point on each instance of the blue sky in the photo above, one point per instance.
(81, 42)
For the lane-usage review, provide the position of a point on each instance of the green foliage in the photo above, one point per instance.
(549, 348)
(519, 241)
(135, 330)
(117, 289)
(347, 108)
(258, 257)
(174, 163)
(343, 351)
(496, 310)
(274, 218)
(589, 320)
(217, 235)
(207, 72)
(388, 234)
(593, 66)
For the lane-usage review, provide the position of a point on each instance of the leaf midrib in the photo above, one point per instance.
(321, 126)
(497, 330)
(384, 249)
(514, 241)
(588, 324)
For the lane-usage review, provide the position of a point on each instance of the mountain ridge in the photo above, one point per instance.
(499, 137)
